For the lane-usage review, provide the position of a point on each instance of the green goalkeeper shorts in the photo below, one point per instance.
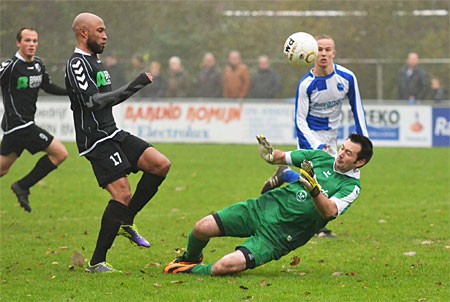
(269, 238)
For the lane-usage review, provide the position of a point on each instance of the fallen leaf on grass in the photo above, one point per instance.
(426, 242)
(176, 282)
(78, 259)
(180, 189)
(335, 274)
(243, 287)
(264, 283)
(157, 285)
(382, 221)
(409, 254)
(295, 261)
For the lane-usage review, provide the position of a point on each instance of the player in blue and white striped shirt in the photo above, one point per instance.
(318, 103)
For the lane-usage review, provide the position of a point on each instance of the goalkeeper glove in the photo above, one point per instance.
(308, 178)
(265, 148)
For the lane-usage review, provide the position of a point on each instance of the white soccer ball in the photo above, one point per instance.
(301, 49)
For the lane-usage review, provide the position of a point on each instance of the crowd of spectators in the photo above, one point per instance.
(237, 80)
(233, 81)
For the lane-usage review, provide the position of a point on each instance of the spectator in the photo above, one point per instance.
(438, 93)
(115, 71)
(158, 87)
(137, 66)
(413, 82)
(266, 82)
(236, 77)
(209, 83)
(177, 82)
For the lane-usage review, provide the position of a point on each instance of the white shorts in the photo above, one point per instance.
(327, 137)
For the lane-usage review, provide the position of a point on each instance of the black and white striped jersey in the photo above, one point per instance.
(21, 81)
(88, 84)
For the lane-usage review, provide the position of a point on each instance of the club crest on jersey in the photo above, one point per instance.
(340, 87)
(302, 195)
(38, 67)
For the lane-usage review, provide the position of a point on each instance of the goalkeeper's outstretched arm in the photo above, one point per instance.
(268, 153)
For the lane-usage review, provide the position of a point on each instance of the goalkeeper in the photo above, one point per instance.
(282, 219)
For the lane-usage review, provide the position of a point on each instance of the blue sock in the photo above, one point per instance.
(290, 176)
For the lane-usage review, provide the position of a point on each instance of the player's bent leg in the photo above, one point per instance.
(120, 190)
(230, 264)
(57, 152)
(6, 161)
(154, 162)
(206, 228)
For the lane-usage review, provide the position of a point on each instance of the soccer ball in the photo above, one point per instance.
(301, 49)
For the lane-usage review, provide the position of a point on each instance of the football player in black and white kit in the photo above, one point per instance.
(112, 152)
(21, 78)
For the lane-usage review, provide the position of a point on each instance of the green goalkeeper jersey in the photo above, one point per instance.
(293, 207)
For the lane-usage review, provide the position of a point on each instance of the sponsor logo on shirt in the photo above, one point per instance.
(326, 104)
(29, 82)
(103, 78)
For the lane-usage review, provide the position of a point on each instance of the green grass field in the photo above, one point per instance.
(393, 244)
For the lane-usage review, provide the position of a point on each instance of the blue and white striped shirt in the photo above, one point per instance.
(318, 105)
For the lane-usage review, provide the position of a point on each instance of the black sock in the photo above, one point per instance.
(145, 190)
(40, 170)
(114, 216)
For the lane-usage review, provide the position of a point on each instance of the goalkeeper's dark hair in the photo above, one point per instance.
(366, 146)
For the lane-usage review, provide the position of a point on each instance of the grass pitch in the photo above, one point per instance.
(393, 243)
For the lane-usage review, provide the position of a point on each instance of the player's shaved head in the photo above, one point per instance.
(84, 21)
(90, 33)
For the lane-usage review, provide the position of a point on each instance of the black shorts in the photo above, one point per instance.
(32, 138)
(116, 157)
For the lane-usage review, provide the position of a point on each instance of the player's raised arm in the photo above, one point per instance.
(87, 89)
(268, 153)
(101, 100)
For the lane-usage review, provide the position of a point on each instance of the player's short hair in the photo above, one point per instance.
(327, 37)
(19, 33)
(366, 146)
